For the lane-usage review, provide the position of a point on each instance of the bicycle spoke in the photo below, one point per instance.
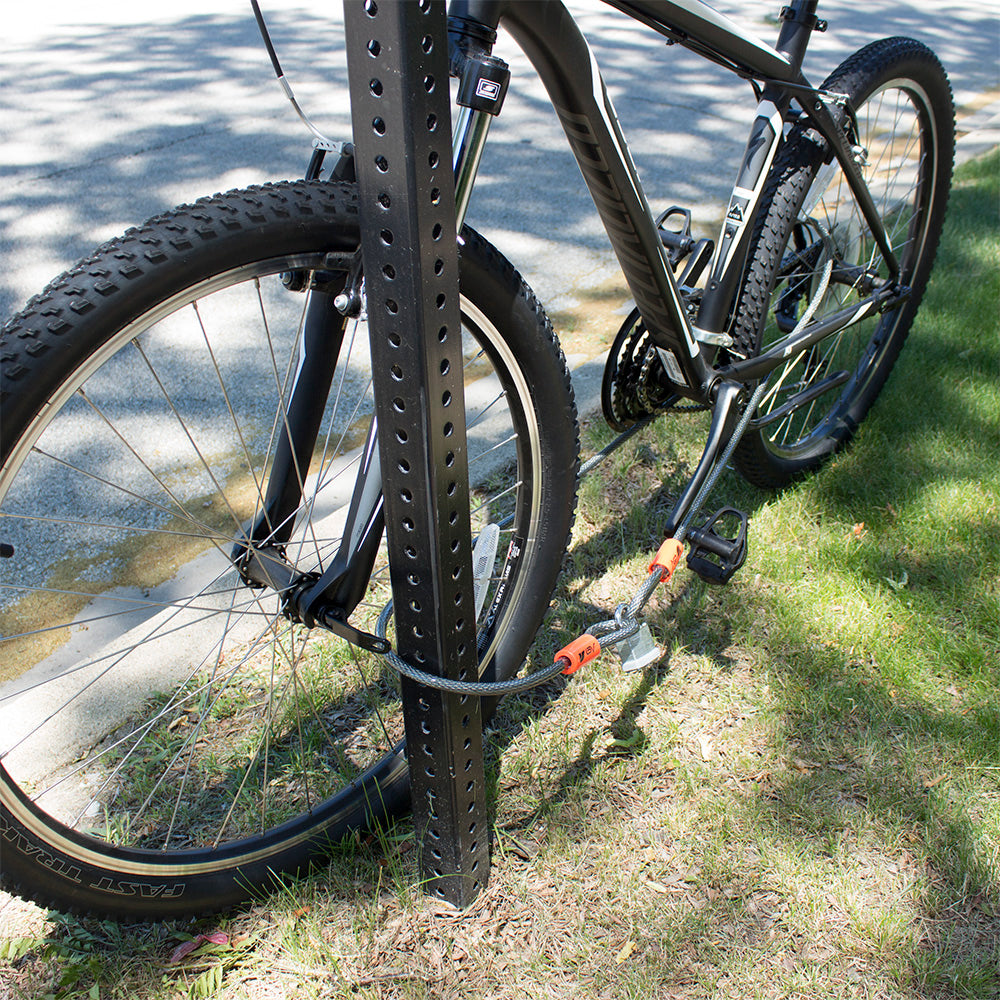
(188, 435)
(251, 465)
(180, 710)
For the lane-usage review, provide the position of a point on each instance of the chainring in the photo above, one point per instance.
(632, 387)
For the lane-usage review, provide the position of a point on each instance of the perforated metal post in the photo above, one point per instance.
(398, 72)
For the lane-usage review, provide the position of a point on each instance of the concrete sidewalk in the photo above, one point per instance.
(110, 112)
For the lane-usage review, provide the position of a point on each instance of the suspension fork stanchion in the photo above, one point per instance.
(471, 130)
(397, 57)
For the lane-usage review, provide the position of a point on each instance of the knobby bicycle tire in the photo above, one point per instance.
(169, 743)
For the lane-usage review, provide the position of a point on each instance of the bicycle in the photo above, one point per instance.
(188, 507)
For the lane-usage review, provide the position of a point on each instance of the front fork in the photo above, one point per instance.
(327, 598)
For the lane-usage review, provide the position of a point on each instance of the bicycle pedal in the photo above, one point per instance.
(719, 546)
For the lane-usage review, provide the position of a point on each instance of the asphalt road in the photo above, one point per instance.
(111, 111)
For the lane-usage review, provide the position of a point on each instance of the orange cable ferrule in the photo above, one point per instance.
(666, 559)
(578, 652)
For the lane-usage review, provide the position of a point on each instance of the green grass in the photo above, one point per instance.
(801, 800)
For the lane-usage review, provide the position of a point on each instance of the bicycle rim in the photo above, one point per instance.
(154, 707)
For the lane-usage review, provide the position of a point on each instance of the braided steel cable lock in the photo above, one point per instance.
(625, 623)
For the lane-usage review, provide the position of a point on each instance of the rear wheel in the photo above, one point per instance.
(813, 251)
(168, 740)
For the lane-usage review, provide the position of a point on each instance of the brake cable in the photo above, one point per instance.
(321, 141)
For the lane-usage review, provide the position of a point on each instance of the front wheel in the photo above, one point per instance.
(812, 252)
(169, 741)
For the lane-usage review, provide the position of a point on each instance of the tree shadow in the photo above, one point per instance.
(105, 126)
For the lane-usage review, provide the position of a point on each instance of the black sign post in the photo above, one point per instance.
(398, 70)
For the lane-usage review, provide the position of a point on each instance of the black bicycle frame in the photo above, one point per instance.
(549, 36)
